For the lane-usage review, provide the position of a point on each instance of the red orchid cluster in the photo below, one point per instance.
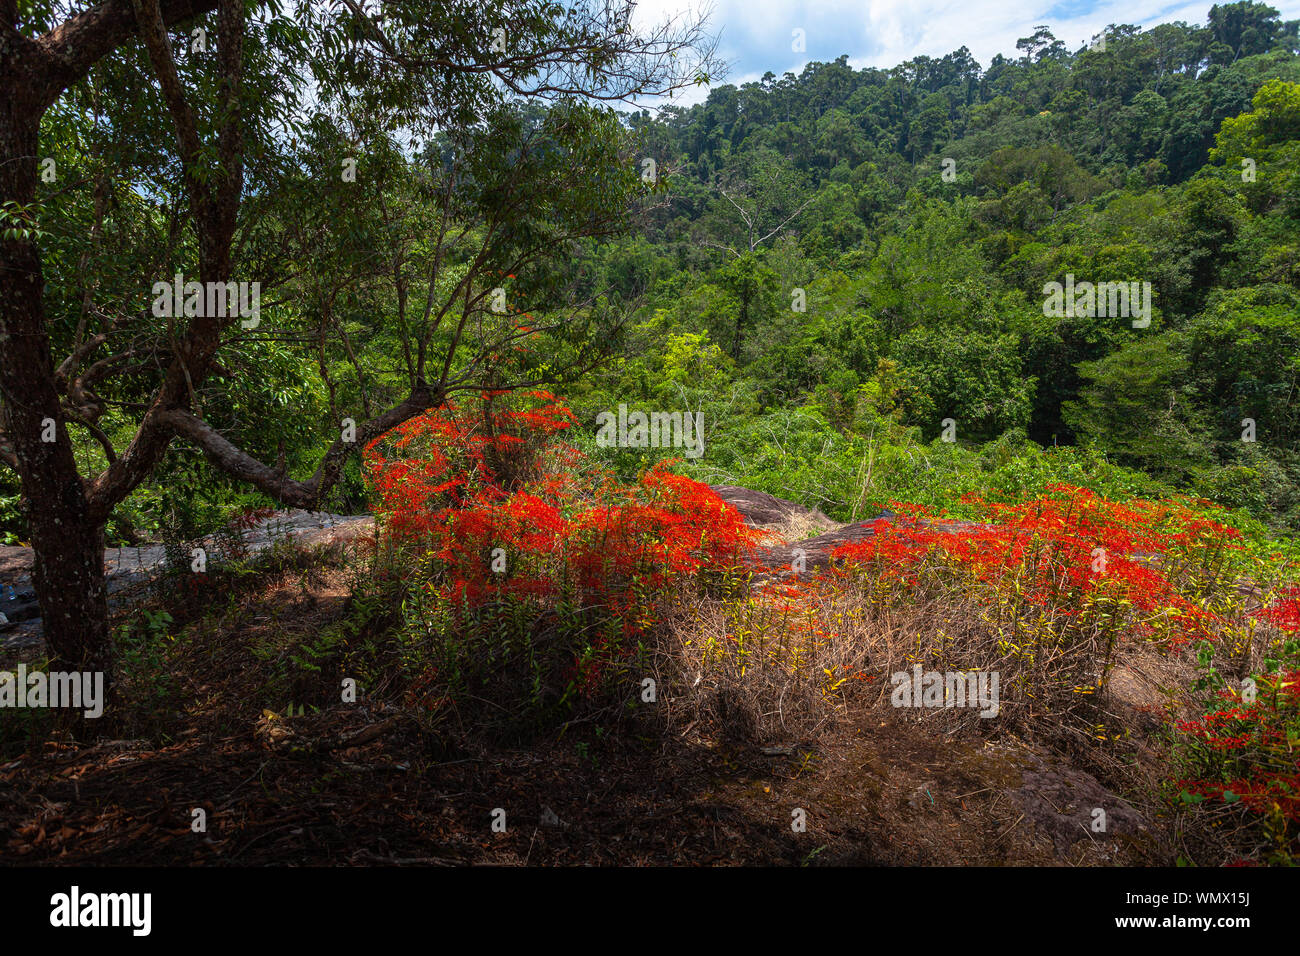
(1248, 751)
(1284, 613)
(1070, 553)
(456, 456)
(504, 510)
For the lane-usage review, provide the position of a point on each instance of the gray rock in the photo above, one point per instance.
(129, 569)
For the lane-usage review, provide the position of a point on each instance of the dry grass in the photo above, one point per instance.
(776, 666)
(801, 525)
(767, 666)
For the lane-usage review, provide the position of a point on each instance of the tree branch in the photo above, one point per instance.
(75, 45)
(299, 494)
(153, 33)
(783, 223)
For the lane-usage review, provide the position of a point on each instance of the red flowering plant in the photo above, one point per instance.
(526, 563)
(1241, 758)
(1284, 613)
(1056, 583)
(1064, 582)
(1043, 591)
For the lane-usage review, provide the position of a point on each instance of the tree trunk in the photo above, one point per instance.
(742, 322)
(68, 540)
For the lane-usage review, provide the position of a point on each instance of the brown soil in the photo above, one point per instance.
(882, 792)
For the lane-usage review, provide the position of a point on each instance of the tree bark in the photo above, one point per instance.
(742, 322)
(66, 525)
(68, 541)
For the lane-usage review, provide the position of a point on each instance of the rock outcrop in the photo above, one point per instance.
(762, 510)
(128, 569)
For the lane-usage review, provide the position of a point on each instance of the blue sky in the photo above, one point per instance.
(756, 35)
